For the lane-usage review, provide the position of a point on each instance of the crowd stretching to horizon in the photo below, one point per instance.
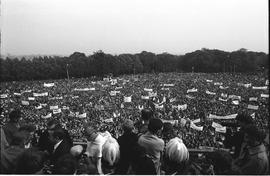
(136, 124)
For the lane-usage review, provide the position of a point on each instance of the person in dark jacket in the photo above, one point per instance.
(127, 142)
(44, 143)
(142, 125)
(13, 125)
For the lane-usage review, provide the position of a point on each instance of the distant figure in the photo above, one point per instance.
(253, 157)
(153, 145)
(127, 143)
(13, 125)
(142, 125)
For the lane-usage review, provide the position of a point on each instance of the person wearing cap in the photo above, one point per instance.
(13, 125)
(127, 142)
(253, 159)
(237, 139)
(95, 142)
(153, 145)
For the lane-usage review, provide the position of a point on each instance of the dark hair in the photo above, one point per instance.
(222, 161)
(30, 161)
(15, 115)
(29, 128)
(155, 125)
(66, 164)
(19, 138)
(255, 133)
(59, 133)
(147, 114)
(245, 118)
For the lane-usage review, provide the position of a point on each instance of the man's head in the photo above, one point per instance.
(244, 119)
(52, 125)
(155, 125)
(15, 116)
(128, 125)
(57, 135)
(253, 136)
(147, 114)
(90, 133)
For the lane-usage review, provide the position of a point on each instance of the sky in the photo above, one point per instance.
(61, 27)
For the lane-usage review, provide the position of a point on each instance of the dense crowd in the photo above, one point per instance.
(194, 111)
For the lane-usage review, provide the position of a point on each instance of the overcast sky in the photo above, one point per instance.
(131, 26)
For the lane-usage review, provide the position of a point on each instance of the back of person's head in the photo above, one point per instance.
(155, 125)
(167, 129)
(30, 161)
(244, 118)
(19, 139)
(15, 115)
(128, 125)
(176, 151)
(111, 151)
(58, 133)
(254, 133)
(222, 161)
(76, 150)
(147, 114)
(65, 165)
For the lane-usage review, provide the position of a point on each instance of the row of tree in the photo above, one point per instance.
(100, 64)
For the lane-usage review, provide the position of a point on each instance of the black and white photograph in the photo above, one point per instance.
(134, 87)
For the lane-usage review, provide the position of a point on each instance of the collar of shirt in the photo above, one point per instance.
(56, 145)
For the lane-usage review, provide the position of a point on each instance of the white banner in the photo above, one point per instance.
(158, 106)
(259, 88)
(168, 85)
(148, 90)
(253, 107)
(247, 85)
(17, 94)
(253, 99)
(116, 114)
(218, 83)
(190, 97)
(192, 90)
(173, 122)
(265, 95)
(41, 94)
(56, 98)
(47, 116)
(195, 127)
(235, 97)
(127, 99)
(222, 87)
(84, 89)
(25, 103)
(223, 95)
(31, 98)
(221, 99)
(152, 94)
(110, 120)
(57, 111)
(166, 88)
(196, 121)
(38, 107)
(117, 88)
(3, 95)
(113, 93)
(216, 125)
(221, 130)
(232, 116)
(145, 97)
(65, 107)
(210, 93)
(53, 107)
(209, 80)
(48, 84)
(182, 107)
(235, 102)
(172, 100)
(81, 116)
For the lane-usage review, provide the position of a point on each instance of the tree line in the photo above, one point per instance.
(98, 64)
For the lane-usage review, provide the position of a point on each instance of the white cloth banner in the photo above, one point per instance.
(222, 87)
(81, 116)
(247, 85)
(47, 116)
(3, 95)
(216, 125)
(235, 102)
(218, 83)
(145, 97)
(209, 80)
(117, 88)
(183, 121)
(116, 114)
(31, 98)
(65, 107)
(232, 116)
(190, 97)
(221, 99)
(195, 127)
(152, 94)
(38, 107)
(221, 130)
(223, 95)
(113, 93)
(253, 107)
(235, 97)
(53, 107)
(168, 85)
(196, 121)
(110, 120)
(165, 88)
(127, 99)
(265, 95)
(259, 88)
(56, 98)
(25, 103)
(210, 93)
(41, 94)
(148, 90)
(158, 106)
(267, 82)
(83, 89)
(48, 84)
(182, 107)
(253, 99)
(17, 94)
(192, 90)
(57, 111)
(173, 122)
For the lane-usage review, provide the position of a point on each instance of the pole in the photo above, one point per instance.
(67, 72)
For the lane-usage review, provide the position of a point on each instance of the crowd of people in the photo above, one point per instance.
(137, 124)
